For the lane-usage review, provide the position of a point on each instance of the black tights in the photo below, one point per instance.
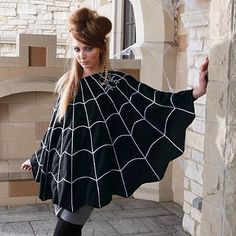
(64, 228)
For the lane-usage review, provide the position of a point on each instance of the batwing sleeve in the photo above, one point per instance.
(38, 154)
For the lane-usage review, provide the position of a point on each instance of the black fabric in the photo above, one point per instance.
(115, 136)
(64, 228)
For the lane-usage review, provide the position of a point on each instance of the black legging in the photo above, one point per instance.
(64, 228)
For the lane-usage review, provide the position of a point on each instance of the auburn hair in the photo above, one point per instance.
(87, 27)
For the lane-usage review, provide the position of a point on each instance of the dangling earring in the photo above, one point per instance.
(105, 63)
(106, 67)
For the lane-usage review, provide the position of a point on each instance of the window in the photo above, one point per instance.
(129, 28)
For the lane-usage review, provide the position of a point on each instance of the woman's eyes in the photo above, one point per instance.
(87, 49)
(76, 49)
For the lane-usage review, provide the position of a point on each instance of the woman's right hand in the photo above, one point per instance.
(26, 165)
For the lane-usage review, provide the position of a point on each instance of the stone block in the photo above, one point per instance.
(4, 186)
(199, 60)
(3, 150)
(23, 8)
(211, 221)
(44, 15)
(194, 171)
(230, 148)
(219, 22)
(187, 208)
(229, 228)
(232, 102)
(196, 188)
(22, 113)
(40, 129)
(186, 183)
(17, 22)
(189, 197)
(17, 131)
(37, 40)
(230, 191)
(15, 201)
(43, 3)
(198, 157)
(213, 191)
(3, 112)
(215, 141)
(220, 53)
(189, 224)
(60, 15)
(196, 214)
(58, 9)
(4, 170)
(22, 188)
(62, 3)
(217, 100)
(195, 45)
(198, 126)
(9, 12)
(18, 149)
(193, 75)
(195, 140)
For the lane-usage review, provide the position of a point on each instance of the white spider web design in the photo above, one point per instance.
(109, 141)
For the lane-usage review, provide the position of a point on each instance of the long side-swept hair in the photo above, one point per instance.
(87, 27)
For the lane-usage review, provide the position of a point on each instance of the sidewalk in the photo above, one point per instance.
(121, 217)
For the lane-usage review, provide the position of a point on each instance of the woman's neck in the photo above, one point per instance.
(91, 72)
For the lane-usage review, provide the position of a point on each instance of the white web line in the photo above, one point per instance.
(128, 129)
(91, 140)
(122, 177)
(71, 157)
(104, 121)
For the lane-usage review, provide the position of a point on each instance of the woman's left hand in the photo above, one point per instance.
(203, 79)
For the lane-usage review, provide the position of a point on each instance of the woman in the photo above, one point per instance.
(109, 133)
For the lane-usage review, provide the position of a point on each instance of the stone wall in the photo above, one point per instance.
(34, 17)
(195, 20)
(24, 118)
(38, 17)
(219, 203)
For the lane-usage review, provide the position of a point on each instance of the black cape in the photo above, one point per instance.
(114, 137)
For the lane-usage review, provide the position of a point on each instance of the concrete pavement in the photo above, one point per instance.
(123, 216)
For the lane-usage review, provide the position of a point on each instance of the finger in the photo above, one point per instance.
(204, 76)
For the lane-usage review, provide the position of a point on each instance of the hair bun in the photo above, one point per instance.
(87, 26)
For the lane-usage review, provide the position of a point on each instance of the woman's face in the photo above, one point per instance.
(87, 56)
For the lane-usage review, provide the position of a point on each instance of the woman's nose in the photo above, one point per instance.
(82, 54)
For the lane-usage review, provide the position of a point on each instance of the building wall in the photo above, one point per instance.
(40, 17)
(219, 203)
(195, 20)
(24, 119)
